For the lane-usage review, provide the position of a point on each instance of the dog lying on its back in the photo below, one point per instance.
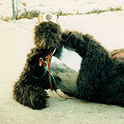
(100, 78)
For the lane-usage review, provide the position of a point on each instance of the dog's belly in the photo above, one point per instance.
(68, 76)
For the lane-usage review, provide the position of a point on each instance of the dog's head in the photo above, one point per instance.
(47, 35)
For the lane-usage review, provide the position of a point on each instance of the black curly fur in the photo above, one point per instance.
(47, 35)
(29, 90)
(100, 78)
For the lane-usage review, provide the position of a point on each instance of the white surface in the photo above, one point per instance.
(16, 41)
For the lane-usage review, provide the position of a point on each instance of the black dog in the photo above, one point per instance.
(30, 89)
(100, 78)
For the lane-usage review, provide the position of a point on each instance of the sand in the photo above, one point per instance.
(16, 39)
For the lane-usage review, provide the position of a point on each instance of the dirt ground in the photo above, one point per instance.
(16, 39)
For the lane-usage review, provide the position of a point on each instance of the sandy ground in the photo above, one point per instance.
(15, 42)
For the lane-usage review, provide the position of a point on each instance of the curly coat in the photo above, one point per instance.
(30, 88)
(100, 78)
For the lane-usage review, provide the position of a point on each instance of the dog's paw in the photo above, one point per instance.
(38, 99)
(33, 97)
